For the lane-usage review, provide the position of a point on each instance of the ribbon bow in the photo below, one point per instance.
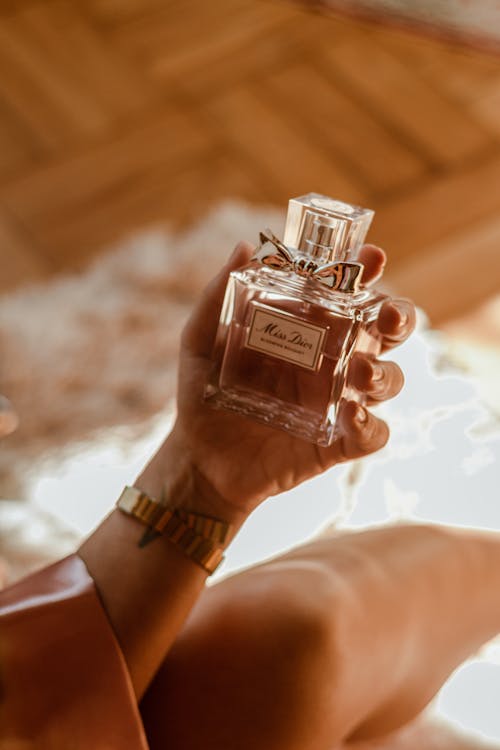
(337, 276)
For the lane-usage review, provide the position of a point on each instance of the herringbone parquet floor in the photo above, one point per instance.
(115, 114)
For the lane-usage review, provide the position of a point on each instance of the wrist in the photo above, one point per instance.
(172, 476)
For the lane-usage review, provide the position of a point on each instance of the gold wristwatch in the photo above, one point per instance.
(200, 537)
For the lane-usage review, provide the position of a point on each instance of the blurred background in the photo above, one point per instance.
(139, 139)
(119, 114)
(116, 114)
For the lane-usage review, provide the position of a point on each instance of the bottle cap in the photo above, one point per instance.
(326, 229)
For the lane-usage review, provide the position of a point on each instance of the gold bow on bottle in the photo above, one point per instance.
(341, 275)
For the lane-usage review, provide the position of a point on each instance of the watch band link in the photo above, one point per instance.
(199, 537)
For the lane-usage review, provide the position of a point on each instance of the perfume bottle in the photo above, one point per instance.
(292, 320)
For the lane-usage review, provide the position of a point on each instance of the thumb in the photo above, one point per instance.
(199, 333)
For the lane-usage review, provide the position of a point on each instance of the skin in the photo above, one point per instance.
(340, 643)
(279, 461)
(8, 417)
(198, 467)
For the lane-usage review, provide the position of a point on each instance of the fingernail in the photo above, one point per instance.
(401, 313)
(403, 319)
(361, 415)
(377, 373)
(384, 259)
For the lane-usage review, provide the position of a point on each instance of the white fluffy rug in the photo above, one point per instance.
(85, 353)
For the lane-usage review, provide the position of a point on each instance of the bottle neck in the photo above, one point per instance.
(337, 275)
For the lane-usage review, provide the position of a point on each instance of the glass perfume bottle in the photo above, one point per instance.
(292, 320)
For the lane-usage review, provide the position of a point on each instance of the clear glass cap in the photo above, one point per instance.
(326, 229)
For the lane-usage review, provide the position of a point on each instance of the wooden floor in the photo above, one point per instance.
(118, 113)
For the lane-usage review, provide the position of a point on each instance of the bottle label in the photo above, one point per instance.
(286, 337)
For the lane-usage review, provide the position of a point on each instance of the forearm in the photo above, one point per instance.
(148, 591)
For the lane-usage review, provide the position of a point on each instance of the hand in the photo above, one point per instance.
(237, 462)
(221, 465)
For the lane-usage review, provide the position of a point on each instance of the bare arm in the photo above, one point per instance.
(149, 592)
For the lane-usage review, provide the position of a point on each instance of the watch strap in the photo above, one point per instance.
(200, 537)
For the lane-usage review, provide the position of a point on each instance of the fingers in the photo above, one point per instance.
(377, 379)
(396, 321)
(199, 332)
(373, 259)
(360, 433)
(397, 317)
(363, 432)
